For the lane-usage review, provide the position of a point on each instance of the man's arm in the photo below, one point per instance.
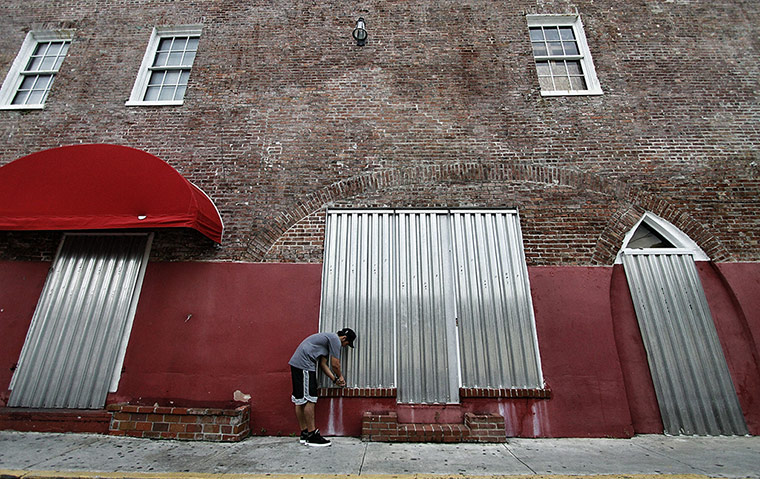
(341, 381)
(335, 374)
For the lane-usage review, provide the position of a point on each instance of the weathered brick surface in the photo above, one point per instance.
(384, 427)
(285, 116)
(544, 393)
(358, 392)
(199, 424)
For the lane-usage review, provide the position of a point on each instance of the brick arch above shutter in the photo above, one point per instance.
(633, 202)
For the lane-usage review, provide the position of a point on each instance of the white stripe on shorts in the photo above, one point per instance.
(306, 395)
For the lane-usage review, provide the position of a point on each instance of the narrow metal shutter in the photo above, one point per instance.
(691, 378)
(81, 323)
(428, 368)
(358, 291)
(497, 330)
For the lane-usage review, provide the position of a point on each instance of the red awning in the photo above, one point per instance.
(87, 187)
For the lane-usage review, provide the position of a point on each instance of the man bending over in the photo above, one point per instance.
(317, 348)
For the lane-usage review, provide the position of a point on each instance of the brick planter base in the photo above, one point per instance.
(384, 427)
(180, 423)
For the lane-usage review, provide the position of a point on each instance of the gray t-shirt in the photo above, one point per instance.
(311, 348)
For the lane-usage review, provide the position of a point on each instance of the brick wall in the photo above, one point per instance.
(384, 427)
(285, 116)
(544, 393)
(202, 424)
(358, 392)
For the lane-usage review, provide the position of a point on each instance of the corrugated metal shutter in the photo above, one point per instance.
(497, 335)
(392, 274)
(358, 291)
(691, 377)
(81, 323)
(425, 310)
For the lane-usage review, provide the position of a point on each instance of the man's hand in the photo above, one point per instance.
(341, 381)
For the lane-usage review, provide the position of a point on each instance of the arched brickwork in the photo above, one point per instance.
(633, 202)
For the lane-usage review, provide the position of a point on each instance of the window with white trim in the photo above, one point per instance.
(31, 75)
(165, 70)
(563, 59)
(654, 234)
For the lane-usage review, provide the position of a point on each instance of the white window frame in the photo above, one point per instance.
(680, 240)
(592, 82)
(137, 96)
(16, 76)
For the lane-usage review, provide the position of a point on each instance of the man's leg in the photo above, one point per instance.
(297, 375)
(308, 416)
(301, 416)
(313, 437)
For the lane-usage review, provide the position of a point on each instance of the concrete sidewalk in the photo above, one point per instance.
(45, 455)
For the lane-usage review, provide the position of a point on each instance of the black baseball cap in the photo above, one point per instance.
(349, 334)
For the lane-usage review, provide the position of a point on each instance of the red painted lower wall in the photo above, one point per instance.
(578, 355)
(639, 388)
(742, 282)
(20, 288)
(737, 321)
(203, 331)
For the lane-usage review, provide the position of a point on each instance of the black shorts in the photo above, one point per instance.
(304, 386)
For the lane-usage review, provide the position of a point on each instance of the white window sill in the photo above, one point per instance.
(155, 103)
(22, 107)
(572, 93)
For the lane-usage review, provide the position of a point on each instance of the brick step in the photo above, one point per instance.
(384, 427)
(55, 420)
(430, 413)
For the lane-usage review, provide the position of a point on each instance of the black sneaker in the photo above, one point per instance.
(304, 435)
(315, 439)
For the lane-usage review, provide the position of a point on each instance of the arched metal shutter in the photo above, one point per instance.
(691, 377)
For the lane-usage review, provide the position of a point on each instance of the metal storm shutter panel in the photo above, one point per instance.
(428, 369)
(358, 291)
(403, 277)
(497, 336)
(690, 374)
(81, 323)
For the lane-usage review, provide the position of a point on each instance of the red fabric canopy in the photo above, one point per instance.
(84, 187)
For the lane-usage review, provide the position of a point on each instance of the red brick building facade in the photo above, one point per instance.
(285, 116)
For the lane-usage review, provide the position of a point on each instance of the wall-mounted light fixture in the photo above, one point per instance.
(360, 32)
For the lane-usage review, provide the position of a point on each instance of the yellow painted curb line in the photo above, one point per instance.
(17, 474)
